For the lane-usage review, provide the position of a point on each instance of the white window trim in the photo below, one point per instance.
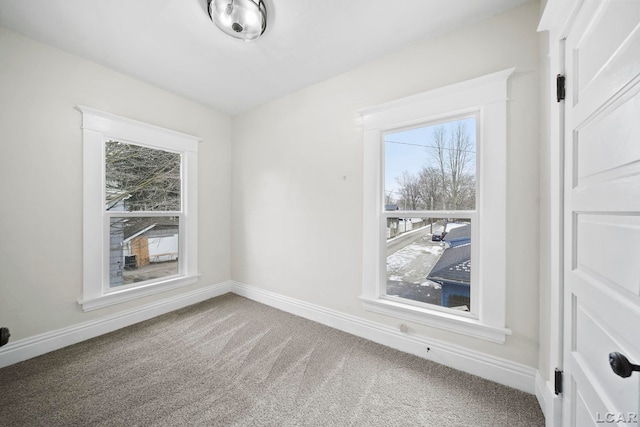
(97, 127)
(486, 95)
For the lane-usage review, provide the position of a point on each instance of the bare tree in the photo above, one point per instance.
(440, 147)
(448, 180)
(453, 154)
(410, 190)
(140, 178)
(430, 187)
(388, 198)
(458, 159)
(467, 192)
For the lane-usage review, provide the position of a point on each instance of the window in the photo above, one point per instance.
(140, 209)
(435, 207)
(430, 171)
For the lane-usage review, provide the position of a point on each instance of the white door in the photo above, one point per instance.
(602, 213)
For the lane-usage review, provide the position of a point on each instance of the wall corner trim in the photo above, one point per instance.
(550, 404)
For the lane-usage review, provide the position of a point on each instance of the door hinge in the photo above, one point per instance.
(560, 88)
(558, 381)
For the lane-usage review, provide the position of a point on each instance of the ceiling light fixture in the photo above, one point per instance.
(241, 19)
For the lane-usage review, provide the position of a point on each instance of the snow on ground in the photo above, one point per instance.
(413, 262)
(452, 225)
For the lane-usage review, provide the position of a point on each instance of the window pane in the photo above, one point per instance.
(143, 248)
(432, 167)
(429, 261)
(141, 179)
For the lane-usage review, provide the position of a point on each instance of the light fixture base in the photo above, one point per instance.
(240, 19)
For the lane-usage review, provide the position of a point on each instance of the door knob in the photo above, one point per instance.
(621, 365)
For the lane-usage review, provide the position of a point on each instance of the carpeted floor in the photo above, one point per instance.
(230, 361)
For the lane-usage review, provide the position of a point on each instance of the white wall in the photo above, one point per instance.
(297, 176)
(41, 179)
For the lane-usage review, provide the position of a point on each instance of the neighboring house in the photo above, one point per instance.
(155, 243)
(453, 269)
(392, 223)
(396, 226)
(457, 235)
(116, 236)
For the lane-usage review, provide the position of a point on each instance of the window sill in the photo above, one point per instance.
(447, 321)
(117, 297)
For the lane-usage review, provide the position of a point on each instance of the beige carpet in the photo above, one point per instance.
(232, 362)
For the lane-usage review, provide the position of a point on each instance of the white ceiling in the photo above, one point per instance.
(174, 45)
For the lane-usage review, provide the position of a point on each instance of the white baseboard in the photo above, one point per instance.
(40, 344)
(493, 368)
(550, 403)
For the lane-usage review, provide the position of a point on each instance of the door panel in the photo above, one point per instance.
(594, 343)
(613, 25)
(598, 155)
(586, 402)
(602, 211)
(620, 194)
(591, 292)
(606, 243)
(604, 53)
(582, 412)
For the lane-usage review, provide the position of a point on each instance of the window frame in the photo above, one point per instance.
(97, 128)
(485, 96)
(471, 215)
